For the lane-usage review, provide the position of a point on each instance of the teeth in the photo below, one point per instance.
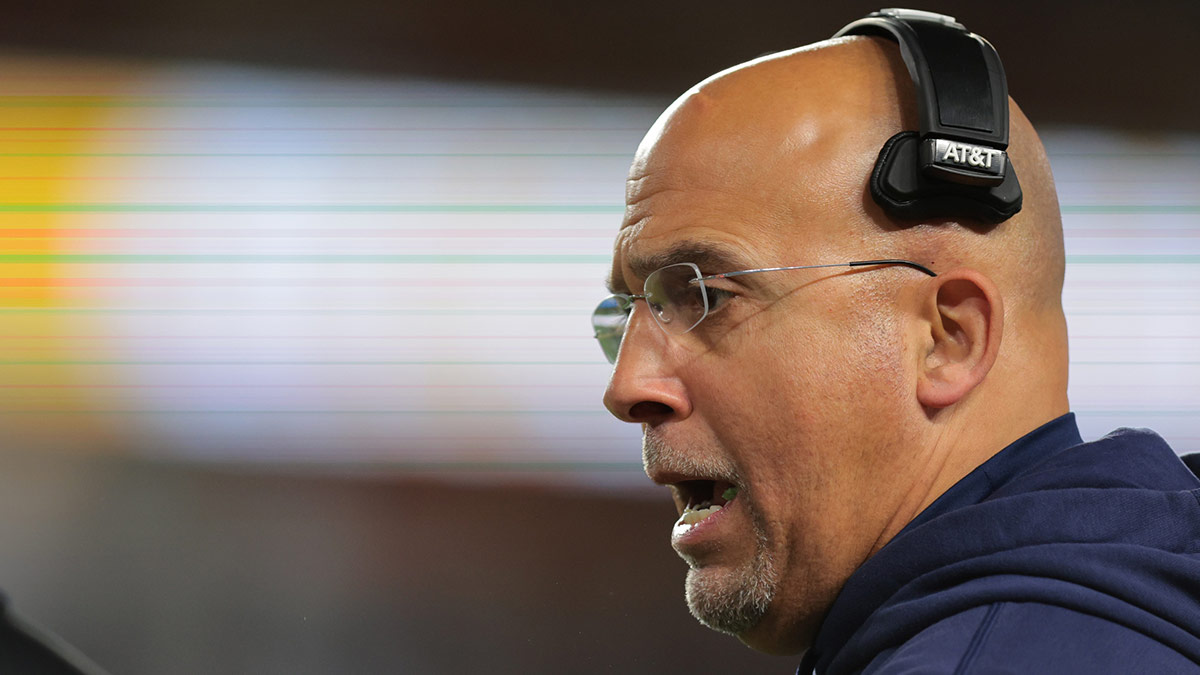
(692, 516)
(694, 513)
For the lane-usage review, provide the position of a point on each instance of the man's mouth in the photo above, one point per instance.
(700, 499)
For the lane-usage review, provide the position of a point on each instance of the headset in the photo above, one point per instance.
(957, 165)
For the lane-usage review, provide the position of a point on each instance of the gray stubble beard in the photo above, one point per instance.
(718, 606)
(734, 608)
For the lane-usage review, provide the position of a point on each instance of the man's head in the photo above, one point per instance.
(838, 401)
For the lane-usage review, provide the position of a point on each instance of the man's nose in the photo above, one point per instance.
(644, 387)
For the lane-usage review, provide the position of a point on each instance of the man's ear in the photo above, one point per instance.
(964, 316)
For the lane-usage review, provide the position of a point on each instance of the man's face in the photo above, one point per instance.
(791, 390)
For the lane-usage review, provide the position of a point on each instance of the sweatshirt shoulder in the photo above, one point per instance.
(1028, 637)
(1125, 458)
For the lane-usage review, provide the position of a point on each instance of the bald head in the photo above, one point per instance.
(807, 125)
(801, 127)
(799, 133)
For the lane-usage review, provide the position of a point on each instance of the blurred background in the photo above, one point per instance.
(296, 371)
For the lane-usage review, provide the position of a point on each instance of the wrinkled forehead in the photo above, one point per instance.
(770, 160)
(684, 210)
(720, 230)
(691, 206)
(712, 256)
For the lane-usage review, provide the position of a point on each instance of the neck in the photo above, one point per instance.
(958, 439)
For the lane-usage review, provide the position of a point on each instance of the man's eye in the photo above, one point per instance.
(716, 297)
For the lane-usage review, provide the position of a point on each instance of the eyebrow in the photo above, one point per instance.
(709, 257)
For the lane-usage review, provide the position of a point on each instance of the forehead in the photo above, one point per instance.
(677, 225)
(722, 228)
(709, 256)
(731, 167)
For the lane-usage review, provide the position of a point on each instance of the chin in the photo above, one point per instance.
(732, 606)
(736, 600)
(742, 602)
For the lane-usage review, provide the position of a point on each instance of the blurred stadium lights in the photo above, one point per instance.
(244, 265)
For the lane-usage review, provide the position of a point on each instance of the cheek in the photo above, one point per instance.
(775, 406)
(816, 393)
(826, 372)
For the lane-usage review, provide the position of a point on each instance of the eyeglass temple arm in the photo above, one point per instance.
(894, 261)
(856, 263)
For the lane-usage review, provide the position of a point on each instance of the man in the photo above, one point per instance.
(875, 464)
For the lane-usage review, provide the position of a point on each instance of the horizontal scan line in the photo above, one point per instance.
(118, 337)
(258, 101)
(273, 311)
(600, 411)
(509, 466)
(316, 154)
(365, 258)
(1130, 208)
(1134, 259)
(152, 207)
(301, 363)
(234, 385)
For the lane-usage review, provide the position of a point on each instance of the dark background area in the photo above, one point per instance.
(173, 569)
(1108, 63)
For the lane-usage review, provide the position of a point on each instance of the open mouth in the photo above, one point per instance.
(699, 499)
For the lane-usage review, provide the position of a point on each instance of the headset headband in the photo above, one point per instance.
(957, 165)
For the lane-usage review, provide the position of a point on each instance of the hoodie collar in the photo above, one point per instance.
(854, 604)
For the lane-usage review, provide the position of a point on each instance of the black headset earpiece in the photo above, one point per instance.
(957, 165)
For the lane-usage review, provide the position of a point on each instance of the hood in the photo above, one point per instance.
(1110, 528)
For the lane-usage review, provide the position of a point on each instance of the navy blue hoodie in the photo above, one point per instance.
(1054, 556)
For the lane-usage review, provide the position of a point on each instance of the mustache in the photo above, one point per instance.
(659, 456)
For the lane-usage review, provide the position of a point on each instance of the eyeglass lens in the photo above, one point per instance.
(609, 323)
(676, 298)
